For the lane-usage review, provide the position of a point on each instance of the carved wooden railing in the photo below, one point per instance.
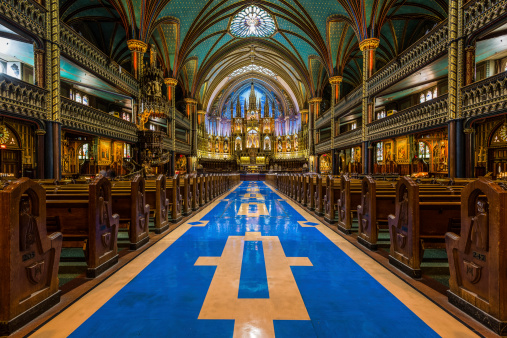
(349, 101)
(323, 147)
(425, 50)
(26, 13)
(78, 49)
(182, 147)
(481, 13)
(422, 116)
(19, 97)
(485, 97)
(80, 117)
(323, 120)
(182, 120)
(347, 139)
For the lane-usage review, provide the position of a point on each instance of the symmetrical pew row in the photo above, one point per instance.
(37, 220)
(418, 217)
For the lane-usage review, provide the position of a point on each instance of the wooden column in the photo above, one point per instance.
(469, 152)
(38, 69)
(469, 65)
(192, 114)
(171, 92)
(40, 152)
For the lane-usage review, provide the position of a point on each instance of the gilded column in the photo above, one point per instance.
(313, 114)
(171, 90)
(368, 48)
(455, 79)
(201, 127)
(52, 84)
(335, 82)
(138, 48)
(192, 114)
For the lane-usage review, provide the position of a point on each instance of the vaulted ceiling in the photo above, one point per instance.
(313, 41)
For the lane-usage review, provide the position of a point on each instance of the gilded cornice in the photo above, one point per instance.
(315, 100)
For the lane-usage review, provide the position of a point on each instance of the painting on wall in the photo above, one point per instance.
(104, 152)
(388, 151)
(118, 151)
(402, 155)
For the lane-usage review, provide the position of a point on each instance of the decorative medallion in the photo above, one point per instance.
(4, 134)
(252, 22)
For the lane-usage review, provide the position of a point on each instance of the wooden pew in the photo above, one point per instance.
(29, 257)
(86, 221)
(478, 256)
(377, 202)
(321, 193)
(331, 198)
(375, 207)
(208, 188)
(186, 195)
(419, 222)
(311, 189)
(160, 205)
(133, 210)
(202, 190)
(347, 203)
(194, 191)
(174, 193)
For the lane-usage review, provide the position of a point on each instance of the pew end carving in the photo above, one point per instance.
(29, 257)
(478, 283)
(366, 214)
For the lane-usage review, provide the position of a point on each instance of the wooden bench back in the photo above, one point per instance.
(477, 256)
(29, 257)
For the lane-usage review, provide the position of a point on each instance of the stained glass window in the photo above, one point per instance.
(380, 152)
(252, 68)
(422, 98)
(353, 126)
(85, 100)
(352, 155)
(424, 151)
(429, 95)
(252, 22)
(435, 93)
(78, 97)
(83, 152)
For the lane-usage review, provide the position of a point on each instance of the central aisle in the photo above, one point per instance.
(253, 266)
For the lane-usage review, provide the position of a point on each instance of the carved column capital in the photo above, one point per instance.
(335, 80)
(371, 43)
(40, 132)
(468, 130)
(170, 81)
(137, 45)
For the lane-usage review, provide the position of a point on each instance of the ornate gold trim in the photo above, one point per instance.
(137, 45)
(189, 100)
(303, 111)
(315, 100)
(335, 80)
(170, 81)
(371, 43)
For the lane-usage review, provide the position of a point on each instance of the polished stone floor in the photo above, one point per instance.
(253, 264)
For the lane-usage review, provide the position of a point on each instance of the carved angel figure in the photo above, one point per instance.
(479, 226)
(27, 226)
(403, 222)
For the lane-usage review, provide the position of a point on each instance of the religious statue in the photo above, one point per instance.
(27, 225)
(479, 226)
